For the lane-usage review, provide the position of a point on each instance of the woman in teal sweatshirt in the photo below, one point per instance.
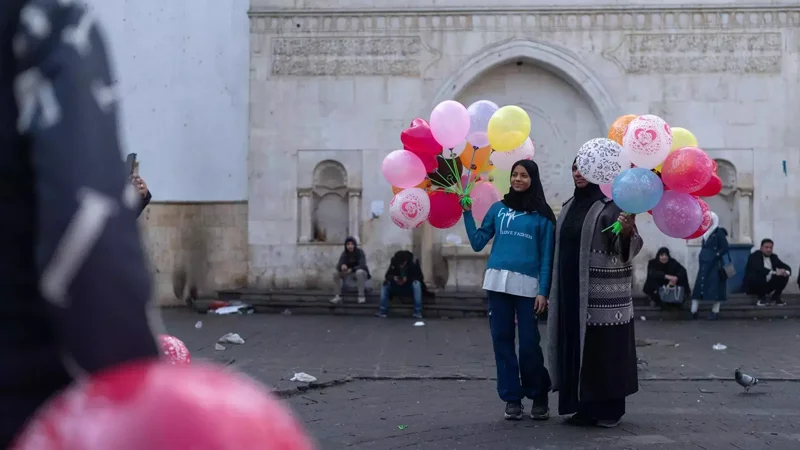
(517, 283)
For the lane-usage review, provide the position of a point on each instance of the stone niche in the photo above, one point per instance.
(329, 196)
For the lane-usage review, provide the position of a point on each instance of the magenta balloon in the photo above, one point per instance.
(483, 196)
(606, 189)
(403, 169)
(449, 123)
(677, 215)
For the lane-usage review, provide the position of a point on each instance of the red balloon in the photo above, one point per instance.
(156, 406)
(712, 188)
(687, 169)
(430, 162)
(706, 224)
(174, 349)
(445, 209)
(419, 139)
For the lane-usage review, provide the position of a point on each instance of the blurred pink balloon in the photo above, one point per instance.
(449, 123)
(606, 189)
(403, 169)
(677, 215)
(506, 160)
(483, 196)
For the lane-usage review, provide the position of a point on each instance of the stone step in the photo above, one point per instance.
(459, 305)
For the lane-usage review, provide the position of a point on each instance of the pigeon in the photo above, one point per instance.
(744, 380)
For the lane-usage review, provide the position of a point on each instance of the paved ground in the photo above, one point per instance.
(377, 375)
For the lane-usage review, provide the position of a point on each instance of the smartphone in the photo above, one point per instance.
(130, 163)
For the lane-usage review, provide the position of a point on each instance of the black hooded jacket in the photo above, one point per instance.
(74, 286)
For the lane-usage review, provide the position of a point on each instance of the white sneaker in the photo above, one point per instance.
(362, 300)
(336, 300)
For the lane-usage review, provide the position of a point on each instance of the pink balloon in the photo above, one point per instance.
(677, 214)
(483, 196)
(449, 123)
(403, 169)
(606, 189)
(410, 208)
(687, 169)
(174, 350)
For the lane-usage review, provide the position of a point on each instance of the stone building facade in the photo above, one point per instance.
(333, 84)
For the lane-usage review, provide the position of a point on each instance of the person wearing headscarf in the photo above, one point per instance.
(591, 346)
(665, 271)
(712, 283)
(517, 283)
(352, 265)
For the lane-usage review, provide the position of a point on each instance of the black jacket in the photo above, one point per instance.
(411, 270)
(74, 286)
(755, 273)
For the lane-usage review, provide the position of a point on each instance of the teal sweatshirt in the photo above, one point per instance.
(523, 242)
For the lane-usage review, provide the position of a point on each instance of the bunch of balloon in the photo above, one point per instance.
(645, 165)
(445, 162)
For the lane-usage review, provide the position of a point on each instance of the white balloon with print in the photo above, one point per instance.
(506, 160)
(601, 160)
(410, 208)
(647, 141)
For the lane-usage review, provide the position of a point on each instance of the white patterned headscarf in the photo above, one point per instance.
(714, 225)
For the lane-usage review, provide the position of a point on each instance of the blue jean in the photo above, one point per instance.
(390, 288)
(526, 376)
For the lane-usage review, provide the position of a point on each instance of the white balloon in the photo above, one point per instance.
(506, 160)
(455, 152)
(601, 160)
(479, 114)
(647, 141)
(410, 208)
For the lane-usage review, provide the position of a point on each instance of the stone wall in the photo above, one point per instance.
(209, 240)
(346, 81)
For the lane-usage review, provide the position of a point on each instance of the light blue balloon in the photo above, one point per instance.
(637, 190)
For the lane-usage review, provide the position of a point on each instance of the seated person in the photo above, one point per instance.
(664, 271)
(404, 277)
(766, 274)
(352, 264)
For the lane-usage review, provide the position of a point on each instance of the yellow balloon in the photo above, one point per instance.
(681, 137)
(501, 179)
(508, 128)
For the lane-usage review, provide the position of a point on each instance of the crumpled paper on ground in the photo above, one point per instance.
(303, 377)
(231, 338)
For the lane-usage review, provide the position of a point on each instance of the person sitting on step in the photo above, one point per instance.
(352, 264)
(404, 277)
(766, 274)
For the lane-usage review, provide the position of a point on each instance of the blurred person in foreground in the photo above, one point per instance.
(75, 287)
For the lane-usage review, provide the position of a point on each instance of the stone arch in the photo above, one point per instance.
(330, 211)
(560, 61)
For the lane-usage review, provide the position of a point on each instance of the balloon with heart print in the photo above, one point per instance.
(479, 114)
(647, 141)
(410, 208)
(418, 138)
(506, 160)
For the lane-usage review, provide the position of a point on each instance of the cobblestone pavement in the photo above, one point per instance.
(432, 414)
(386, 384)
(334, 347)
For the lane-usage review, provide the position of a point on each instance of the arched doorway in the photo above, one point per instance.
(567, 103)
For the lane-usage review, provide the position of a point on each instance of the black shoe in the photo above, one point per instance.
(780, 302)
(694, 316)
(580, 420)
(540, 412)
(514, 411)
